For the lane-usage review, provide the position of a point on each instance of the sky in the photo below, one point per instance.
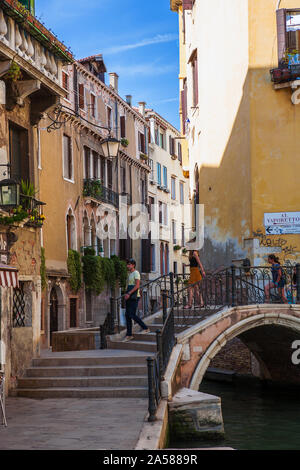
(138, 40)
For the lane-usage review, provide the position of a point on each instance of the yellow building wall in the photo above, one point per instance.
(275, 128)
(59, 194)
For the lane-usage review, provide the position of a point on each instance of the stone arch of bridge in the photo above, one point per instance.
(280, 319)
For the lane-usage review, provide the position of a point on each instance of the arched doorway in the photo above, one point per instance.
(53, 312)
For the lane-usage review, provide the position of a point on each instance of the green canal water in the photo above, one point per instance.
(255, 418)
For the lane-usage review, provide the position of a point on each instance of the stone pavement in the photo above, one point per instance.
(71, 423)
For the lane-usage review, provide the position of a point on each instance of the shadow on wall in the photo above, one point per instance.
(257, 172)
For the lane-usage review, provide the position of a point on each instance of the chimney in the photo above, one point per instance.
(129, 99)
(114, 81)
(142, 108)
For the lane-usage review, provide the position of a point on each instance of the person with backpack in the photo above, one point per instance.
(278, 278)
(132, 298)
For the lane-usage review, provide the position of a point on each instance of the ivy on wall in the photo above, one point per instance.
(75, 270)
(43, 269)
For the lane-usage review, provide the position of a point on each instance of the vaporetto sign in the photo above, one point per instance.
(282, 223)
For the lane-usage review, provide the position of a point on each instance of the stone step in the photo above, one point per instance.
(91, 371)
(133, 345)
(87, 361)
(82, 382)
(84, 392)
(148, 337)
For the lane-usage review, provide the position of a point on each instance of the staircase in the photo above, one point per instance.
(119, 371)
(85, 375)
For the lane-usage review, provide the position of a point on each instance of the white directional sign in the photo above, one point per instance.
(282, 222)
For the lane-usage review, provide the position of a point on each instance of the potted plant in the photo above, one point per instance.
(143, 156)
(124, 142)
(177, 247)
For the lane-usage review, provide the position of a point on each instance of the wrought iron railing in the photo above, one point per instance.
(94, 188)
(157, 365)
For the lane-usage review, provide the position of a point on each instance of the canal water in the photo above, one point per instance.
(255, 417)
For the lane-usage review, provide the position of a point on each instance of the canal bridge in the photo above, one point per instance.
(268, 330)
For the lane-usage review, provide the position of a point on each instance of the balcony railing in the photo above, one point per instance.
(93, 188)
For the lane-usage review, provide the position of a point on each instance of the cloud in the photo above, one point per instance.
(148, 69)
(167, 100)
(158, 39)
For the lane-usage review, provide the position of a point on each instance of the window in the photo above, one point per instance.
(181, 189)
(71, 231)
(103, 171)
(159, 174)
(109, 117)
(288, 34)
(165, 174)
(123, 127)
(18, 153)
(87, 162)
(194, 65)
(68, 163)
(182, 235)
(152, 261)
(175, 270)
(179, 148)
(174, 232)
(172, 146)
(184, 113)
(81, 96)
(151, 176)
(96, 165)
(151, 208)
(143, 191)
(173, 188)
(162, 140)
(141, 138)
(93, 105)
(163, 213)
(156, 137)
(65, 83)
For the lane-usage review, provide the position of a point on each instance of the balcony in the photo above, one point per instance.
(28, 213)
(94, 189)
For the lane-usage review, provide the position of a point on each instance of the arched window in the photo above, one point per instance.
(196, 200)
(86, 231)
(71, 231)
(162, 259)
(93, 233)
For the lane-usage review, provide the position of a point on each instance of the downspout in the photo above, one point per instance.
(278, 4)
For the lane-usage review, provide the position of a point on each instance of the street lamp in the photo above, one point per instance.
(9, 193)
(110, 147)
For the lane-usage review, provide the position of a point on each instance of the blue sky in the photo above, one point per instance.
(138, 40)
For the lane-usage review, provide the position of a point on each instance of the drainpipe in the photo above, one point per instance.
(278, 4)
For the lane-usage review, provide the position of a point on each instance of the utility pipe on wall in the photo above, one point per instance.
(278, 4)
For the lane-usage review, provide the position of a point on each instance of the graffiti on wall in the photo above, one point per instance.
(280, 242)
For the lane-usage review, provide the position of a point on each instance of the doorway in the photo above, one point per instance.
(53, 313)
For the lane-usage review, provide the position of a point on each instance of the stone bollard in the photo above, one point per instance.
(195, 416)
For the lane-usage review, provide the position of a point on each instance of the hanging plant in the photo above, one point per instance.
(14, 73)
(92, 271)
(43, 269)
(75, 270)
(124, 142)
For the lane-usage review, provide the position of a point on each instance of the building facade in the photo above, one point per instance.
(169, 202)
(30, 68)
(241, 129)
(90, 196)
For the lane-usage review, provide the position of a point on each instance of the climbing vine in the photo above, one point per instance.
(75, 270)
(92, 271)
(43, 269)
(121, 271)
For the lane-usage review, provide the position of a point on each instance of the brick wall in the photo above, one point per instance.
(234, 356)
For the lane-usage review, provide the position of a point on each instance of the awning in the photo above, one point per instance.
(8, 276)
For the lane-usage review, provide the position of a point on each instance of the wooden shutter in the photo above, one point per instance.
(81, 96)
(146, 255)
(281, 33)
(123, 127)
(184, 107)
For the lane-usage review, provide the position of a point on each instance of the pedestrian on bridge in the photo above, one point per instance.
(197, 273)
(278, 279)
(132, 298)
